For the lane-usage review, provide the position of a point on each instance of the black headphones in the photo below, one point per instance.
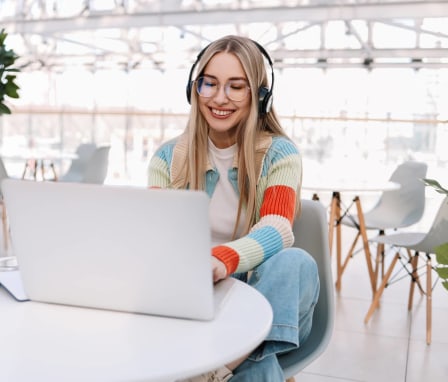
(265, 96)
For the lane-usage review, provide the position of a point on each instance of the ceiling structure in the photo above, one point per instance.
(102, 34)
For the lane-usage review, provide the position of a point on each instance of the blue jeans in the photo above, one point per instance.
(289, 280)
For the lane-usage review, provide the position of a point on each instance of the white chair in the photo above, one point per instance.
(94, 170)
(394, 209)
(4, 175)
(77, 167)
(408, 246)
(311, 234)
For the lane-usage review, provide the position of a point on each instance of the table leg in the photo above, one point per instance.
(335, 225)
(428, 300)
(42, 168)
(331, 221)
(25, 169)
(55, 176)
(30, 166)
(33, 166)
(365, 240)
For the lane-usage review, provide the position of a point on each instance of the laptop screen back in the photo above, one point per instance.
(113, 247)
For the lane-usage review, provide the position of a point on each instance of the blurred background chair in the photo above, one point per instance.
(90, 167)
(408, 248)
(311, 233)
(5, 230)
(77, 167)
(394, 209)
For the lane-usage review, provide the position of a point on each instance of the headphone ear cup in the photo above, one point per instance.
(189, 87)
(264, 100)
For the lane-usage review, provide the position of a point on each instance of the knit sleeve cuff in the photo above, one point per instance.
(228, 256)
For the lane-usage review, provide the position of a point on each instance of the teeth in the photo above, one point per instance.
(221, 112)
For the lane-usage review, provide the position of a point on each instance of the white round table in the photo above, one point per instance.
(54, 343)
(39, 161)
(336, 213)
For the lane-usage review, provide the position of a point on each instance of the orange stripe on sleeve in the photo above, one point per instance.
(228, 256)
(279, 200)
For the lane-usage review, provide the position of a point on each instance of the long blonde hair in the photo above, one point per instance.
(248, 131)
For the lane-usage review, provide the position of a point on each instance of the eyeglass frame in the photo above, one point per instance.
(218, 87)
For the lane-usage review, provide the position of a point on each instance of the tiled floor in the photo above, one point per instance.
(392, 346)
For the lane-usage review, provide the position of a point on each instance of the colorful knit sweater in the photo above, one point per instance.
(280, 173)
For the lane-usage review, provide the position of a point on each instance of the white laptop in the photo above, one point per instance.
(114, 247)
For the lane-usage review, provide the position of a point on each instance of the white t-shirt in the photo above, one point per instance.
(224, 202)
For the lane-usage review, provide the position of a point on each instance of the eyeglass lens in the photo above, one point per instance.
(236, 90)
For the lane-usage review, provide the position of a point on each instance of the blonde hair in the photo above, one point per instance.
(193, 173)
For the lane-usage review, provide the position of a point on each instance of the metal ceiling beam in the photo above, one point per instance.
(434, 53)
(310, 13)
(370, 66)
(381, 58)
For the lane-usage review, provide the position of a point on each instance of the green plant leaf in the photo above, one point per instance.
(445, 284)
(11, 88)
(441, 252)
(8, 87)
(436, 185)
(442, 272)
(4, 109)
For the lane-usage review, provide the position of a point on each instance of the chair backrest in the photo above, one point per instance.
(402, 207)
(85, 151)
(311, 234)
(3, 171)
(97, 165)
(77, 167)
(3, 174)
(438, 232)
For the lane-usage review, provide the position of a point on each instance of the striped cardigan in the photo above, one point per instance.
(279, 169)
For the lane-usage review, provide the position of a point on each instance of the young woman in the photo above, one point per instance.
(234, 148)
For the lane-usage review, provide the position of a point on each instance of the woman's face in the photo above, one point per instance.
(222, 113)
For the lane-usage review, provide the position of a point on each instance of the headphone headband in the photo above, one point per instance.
(265, 96)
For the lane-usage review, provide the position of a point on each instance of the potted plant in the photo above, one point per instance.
(8, 87)
(442, 250)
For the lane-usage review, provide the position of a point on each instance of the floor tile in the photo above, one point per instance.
(360, 357)
(310, 377)
(427, 363)
(439, 324)
(388, 320)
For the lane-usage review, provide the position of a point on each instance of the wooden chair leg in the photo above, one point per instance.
(380, 290)
(5, 228)
(428, 300)
(350, 252)
(414, 277)
(379, 262)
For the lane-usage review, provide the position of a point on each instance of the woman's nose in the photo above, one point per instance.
(221, 96)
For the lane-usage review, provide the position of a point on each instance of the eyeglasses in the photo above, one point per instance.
(235, 90)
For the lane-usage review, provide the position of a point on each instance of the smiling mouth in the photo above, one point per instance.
(221, 113)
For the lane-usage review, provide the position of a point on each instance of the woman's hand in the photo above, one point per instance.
(219, 270)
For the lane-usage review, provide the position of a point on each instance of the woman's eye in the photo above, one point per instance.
(209, 83)
(237, 85)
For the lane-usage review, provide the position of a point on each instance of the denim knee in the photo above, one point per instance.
(289, 280)
(267, 369)
(289, 262)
